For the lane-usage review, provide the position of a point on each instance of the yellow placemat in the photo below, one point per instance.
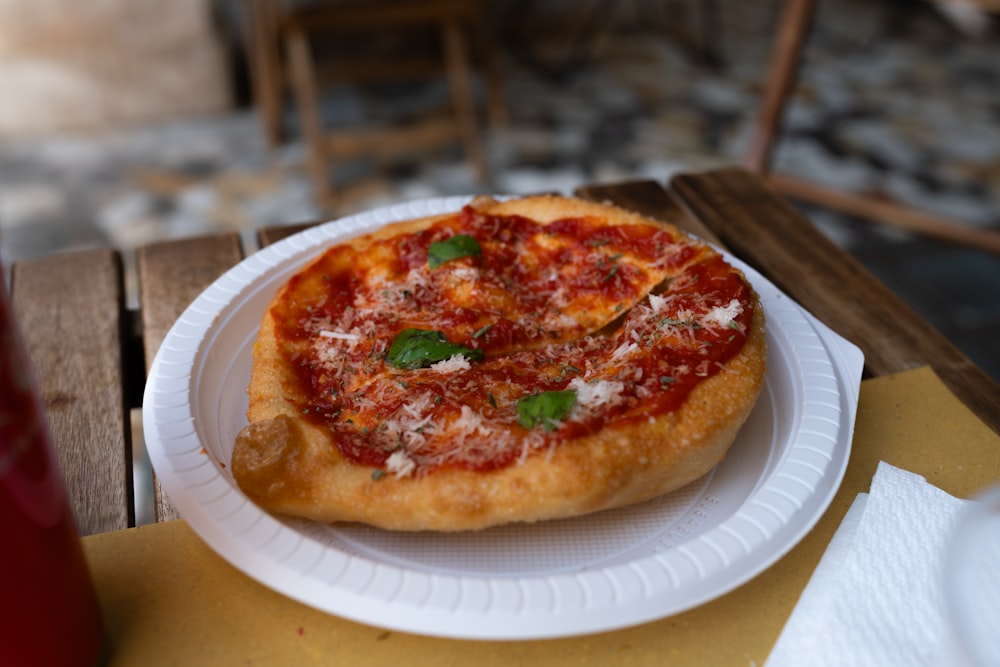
(168, 599)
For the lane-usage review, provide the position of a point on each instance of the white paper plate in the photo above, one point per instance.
(595, 573)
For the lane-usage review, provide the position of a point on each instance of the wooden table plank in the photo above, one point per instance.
(269, 235)
(171, 275)
(71, 308)
(767, 232)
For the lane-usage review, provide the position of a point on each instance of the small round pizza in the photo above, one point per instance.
(514, 361)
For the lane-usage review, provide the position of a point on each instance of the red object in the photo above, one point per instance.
(49, 613)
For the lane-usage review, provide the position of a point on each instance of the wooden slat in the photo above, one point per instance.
(71, 310)
(332, 73)
(885, 212)
(357, 17)
(419, 135)
(648, 198)
(171, 275)
(770, 234)
(268, 235)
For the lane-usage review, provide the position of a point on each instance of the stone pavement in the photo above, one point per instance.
(893, 99)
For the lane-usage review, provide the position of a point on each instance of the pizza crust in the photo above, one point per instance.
(289, 465)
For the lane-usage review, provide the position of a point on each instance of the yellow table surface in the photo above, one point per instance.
(168, 599)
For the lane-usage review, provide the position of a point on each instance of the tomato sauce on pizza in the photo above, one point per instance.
(526, 336)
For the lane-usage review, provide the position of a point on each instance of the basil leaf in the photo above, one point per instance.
(457, 246)
(419, 348)
(544, 408)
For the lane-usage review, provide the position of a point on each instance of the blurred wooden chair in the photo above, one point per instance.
(786, 51)
(285, 55)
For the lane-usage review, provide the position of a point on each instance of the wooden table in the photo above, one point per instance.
(91, 351)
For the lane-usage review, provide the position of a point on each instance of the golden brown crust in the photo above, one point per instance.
(288, 464)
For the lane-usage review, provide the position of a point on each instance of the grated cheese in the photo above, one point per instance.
(623, 350)
(592, 395)
(657, 302)
(469, 423)
(721, 316)
(400, 464)
(417, 407)
(452, 364)
(340, 336)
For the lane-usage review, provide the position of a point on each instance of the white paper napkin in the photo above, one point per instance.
(876, 597)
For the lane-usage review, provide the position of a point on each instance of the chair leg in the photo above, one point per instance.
(459, 78)
(793, 26)
(264, 58)
(886, 213)
(498, 113)
(712, 47)
(303, 79)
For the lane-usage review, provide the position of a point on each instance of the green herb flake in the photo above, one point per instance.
(456, 247)
(481, 332)
(544, 408)
(420, 348)
(377, 474)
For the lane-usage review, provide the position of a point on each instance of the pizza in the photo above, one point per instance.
(513, 361)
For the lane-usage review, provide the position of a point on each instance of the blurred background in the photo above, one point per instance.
(128, 121)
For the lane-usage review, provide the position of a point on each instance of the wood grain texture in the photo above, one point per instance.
(885, 212)
(768, 233)
(171, 275)
(71, 310)
(268, 235)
